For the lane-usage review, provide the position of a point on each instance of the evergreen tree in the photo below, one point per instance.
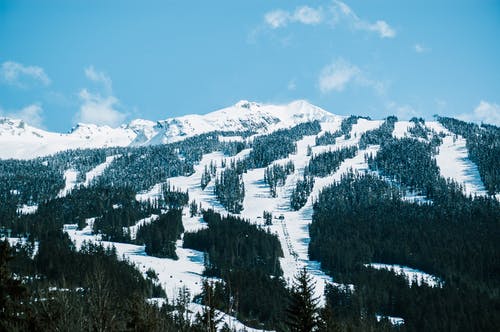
(303, 309)
(11, 293)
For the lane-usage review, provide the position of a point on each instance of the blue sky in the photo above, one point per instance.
(107, 62)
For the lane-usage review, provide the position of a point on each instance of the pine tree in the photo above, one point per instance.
(209, 318)
(303, 309)
(11, 293)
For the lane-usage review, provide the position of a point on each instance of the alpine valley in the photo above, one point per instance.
(252, 217)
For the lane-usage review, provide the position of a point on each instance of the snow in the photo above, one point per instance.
(13, 241)
(21, 141)
(195, 308)
(412, 275)
(230, 138)
(453, 161)
(172, 274)
(231, 321)
(392, 320)
(132, 230)
(70, 176)
(98, 170)
(401, 129)
(70, 182)
(27, 209)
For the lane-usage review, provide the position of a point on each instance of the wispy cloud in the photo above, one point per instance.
(342, 12)
(306, 15)
(420, 48)
(335, 76)
(31, 114)
(17, 74)
(99, 77)
(485, 112)
(340, 73)
(338, 12)
(97, 108)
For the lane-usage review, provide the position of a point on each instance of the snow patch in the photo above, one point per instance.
(27, 209)
(412, 275)
(392, 320)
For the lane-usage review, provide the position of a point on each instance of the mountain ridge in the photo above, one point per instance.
(24, 141)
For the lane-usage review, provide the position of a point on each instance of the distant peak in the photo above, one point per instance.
(13, 123)
(247, 104)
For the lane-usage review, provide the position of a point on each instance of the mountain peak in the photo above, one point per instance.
(247, 104)
(244, 116)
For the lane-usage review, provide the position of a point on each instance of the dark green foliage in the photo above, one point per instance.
(253, 297)
(174, 199)
(409, 162)
(28, 181)
(268, 218)
(209, 318)
(276, 174)
(324, 164)
(303, 310)
(208, 173)
(345, 129)
(142, 167)
(230, 190)
(12, 292)
(244, 256)
(279, 144)
(160, 235)
(80, 160)
(362, 219)
(193, 208)
(483, 144)
(301, 192)
(233, 243)
(328, 138)
(112, 222)
(379, 135)
(418, 130)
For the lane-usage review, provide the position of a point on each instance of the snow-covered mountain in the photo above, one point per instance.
(22, 141)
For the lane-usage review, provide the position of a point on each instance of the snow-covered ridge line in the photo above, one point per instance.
(22, 141)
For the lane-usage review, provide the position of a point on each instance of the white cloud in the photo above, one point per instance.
(31, 114)
(419, 48)
(292, 85)
(99, 77)
(99, 110)
(383, 29)
(338, 12)
(342, 11)
(277, 18)
(337, 75)
(304, 14)
(308, 15)
(485, 112)
(17, 74)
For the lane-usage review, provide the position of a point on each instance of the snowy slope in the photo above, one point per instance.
(454, 163)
